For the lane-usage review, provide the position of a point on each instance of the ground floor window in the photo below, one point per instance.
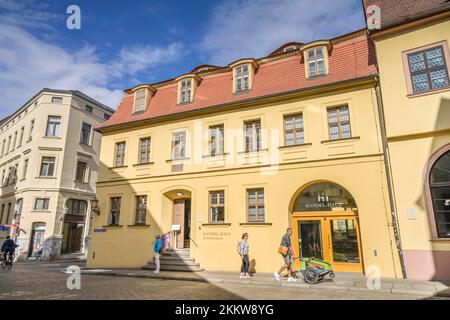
(440, 194)
(255, 205)
(217, 206)
(141, 209)
(114, 215)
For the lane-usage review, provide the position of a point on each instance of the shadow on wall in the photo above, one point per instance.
(439, 266)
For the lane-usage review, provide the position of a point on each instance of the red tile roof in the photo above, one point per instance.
(351, 57)
(394, 12)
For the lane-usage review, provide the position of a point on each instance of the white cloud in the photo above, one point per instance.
(29, 63)
(248, 28)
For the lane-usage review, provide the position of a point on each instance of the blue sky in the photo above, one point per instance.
(122, 43)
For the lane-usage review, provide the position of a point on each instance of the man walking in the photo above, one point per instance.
(286, 252)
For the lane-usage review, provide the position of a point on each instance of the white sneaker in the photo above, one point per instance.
(277, 276)
(156, 271)
(290, 279)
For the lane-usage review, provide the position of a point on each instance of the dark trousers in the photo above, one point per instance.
(245, 264)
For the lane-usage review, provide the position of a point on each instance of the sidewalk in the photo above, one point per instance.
(343, 281)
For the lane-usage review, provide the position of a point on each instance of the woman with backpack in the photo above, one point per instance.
(243, 252)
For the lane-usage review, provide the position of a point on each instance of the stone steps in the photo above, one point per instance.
(175, 260)
(185, 268)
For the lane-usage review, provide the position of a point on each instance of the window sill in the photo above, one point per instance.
(143, 164)
(43, 177)
(50, 137)
(254, 151)
(41, 211)
(113, 226)
(439, 239)
(218, 224)
(138, 225)
(216, 155)
(138, 112)
(237, 93)
(86, 144)
(421, 94)
(180, 104)
(255, 224)
(295, 145)
(78, 181)
(118, 167)
(318, 76)
(337, 140)
(178, 160)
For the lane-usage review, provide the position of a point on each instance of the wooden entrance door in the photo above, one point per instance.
(178, 218)
(333, 237)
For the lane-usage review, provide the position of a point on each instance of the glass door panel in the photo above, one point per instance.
(310, 239)
(344, 239)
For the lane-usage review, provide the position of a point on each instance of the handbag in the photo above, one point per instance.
(283, 250)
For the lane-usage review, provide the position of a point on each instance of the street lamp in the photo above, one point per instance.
(94, 205)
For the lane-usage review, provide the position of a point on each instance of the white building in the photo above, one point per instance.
(49, 157)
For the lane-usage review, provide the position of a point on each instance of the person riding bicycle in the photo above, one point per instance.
(9, 246)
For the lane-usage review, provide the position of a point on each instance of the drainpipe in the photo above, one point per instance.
(394, 214)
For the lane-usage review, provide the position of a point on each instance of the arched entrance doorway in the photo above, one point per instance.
(180, 206)
(325, 226)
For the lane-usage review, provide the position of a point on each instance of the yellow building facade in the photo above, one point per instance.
(309, 158)
(417, 113)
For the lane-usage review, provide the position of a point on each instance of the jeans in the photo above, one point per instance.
(245, 264)
(157, 261)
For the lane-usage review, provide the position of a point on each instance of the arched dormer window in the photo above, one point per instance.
(440, 194)
(243, 74)
(187, 85)
(141, 97)
(315, 56)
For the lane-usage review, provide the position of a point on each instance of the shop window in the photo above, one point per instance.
(440, 194)
(255, 205)
(217, 206)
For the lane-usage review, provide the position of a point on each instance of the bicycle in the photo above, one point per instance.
(7, 263)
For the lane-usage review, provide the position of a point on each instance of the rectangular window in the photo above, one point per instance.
(242, 78)
(339, 123)
(139, 100)
(15, 173)
(8, 175)
(47, 167)
(316, 64)
(114, 216)
(81, 171)
(3, 147)
(252, 132)
(8, 213)
(3, 177)
(428, 70)
(179, 145)
(30, 134)
(144, 150)
(255, 205)
(119, 159)
(85, 136)
(53, 126)
(76, 206)
(57, 100)
(13, 145)
(9, 145)
(25, 169)
(141, 209)
(185, 91)
(22, 131)
(216, 142)
(293, 129)
(88, 108)
(217, 206)
(3, 211)
(41, 204)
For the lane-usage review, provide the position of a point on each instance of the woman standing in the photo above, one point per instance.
(243, 251)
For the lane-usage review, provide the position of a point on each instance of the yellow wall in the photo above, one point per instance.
(417, 126)
(355, 164)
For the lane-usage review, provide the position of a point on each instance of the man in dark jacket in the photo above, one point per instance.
(8, 246)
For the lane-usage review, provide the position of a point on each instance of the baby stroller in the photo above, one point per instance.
(314, 270)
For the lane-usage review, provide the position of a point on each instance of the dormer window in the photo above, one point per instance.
(316, 65)
(141, 97)
(185, 91)
(243, 74)
(315, 56)
(139, 100)
(242, 78)
(290, 48)
(187, 85)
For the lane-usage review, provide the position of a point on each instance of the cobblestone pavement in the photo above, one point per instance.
(44, 281)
